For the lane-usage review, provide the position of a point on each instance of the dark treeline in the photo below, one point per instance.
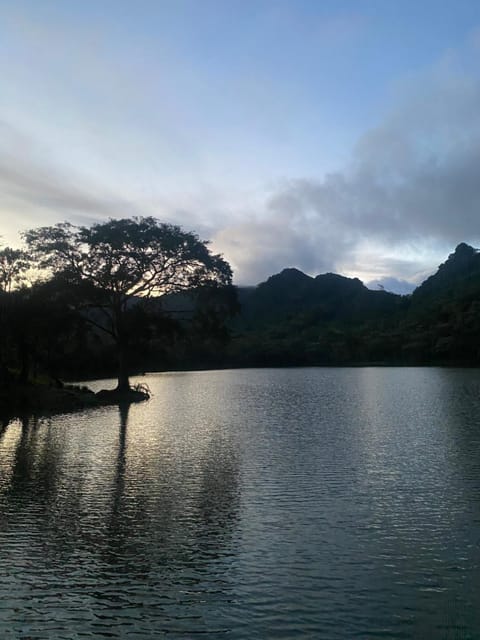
(129, 296)
(88, 301)
(44, 336)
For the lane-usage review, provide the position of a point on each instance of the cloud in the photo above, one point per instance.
(412, 187)
(395, 285)
(409, 193)
(36, 192)
(257, 249)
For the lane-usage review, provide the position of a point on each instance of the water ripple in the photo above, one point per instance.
(270, 504)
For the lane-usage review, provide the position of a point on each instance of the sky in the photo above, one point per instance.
(324, 135)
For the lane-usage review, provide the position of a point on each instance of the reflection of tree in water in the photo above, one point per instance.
(35, 464)
(38, 490)
(152, 534)
(152, 521)
(128, 517)
(4, 422)
(170, 519)
(162, 520)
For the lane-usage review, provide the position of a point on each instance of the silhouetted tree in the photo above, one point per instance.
(40, 327)
(113, 262)
(13, 265)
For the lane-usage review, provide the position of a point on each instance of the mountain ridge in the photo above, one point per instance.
(294, 318)
(464, 255)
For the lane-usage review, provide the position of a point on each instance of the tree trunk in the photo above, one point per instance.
(123, 379)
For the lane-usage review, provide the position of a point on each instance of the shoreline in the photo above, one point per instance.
(42, 399)
(17, 400)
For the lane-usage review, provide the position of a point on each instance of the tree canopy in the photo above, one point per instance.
(13, 265)
(115, 261)
(129, 257)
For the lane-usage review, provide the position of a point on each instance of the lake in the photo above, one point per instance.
(316, 503)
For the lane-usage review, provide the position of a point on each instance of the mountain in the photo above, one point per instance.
(293, 319)
(459, 273)
(330, 297)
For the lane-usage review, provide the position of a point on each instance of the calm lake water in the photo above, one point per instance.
(287, 503)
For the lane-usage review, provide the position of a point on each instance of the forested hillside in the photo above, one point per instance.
(293, 319)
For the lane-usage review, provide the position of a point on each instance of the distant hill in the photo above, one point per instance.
(292, 319)
(330, 297)
(459, 273)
